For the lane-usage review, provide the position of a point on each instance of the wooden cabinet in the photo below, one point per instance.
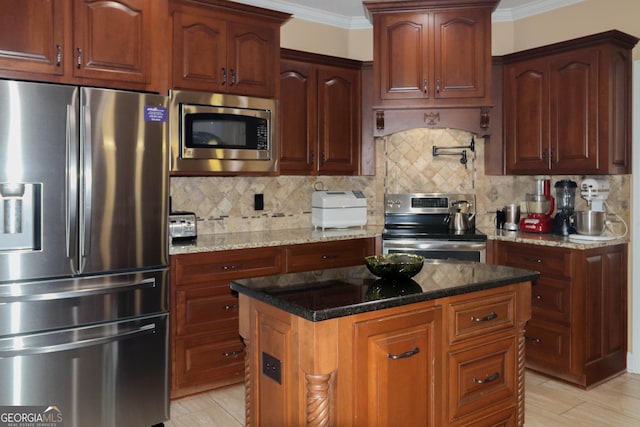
(333, 254)
(320, 114)
(397, 357)
(483, 371)
(82, 41)
(451, 361)
(429, 54)
(206, 349)
(567, 107)
(221, 47)
(578, 330)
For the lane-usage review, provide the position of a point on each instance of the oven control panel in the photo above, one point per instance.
(426, 203)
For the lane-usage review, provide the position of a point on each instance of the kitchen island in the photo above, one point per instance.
(341, 347)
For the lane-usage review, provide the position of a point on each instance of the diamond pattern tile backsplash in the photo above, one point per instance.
(404, 164)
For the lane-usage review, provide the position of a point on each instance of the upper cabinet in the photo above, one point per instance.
(320, 114)
(431, 54)
(567, 107)
(220, 46)
(80, 41)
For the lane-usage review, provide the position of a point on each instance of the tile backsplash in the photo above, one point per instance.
(404, 164)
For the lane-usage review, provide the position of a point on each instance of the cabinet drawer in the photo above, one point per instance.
(549, 261)
(550, 299)
(481, 315)
(547, 345)
(204, 360)
(226, 265)
(506, 418)
(205, 309)
(340, 253)
(482, 376)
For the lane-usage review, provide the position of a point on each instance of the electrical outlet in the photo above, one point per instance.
(271, 367)
(258, 202)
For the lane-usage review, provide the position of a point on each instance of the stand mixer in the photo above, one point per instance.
(540, 206)
(595, 191)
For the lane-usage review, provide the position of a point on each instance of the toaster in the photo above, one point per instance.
(183, 225)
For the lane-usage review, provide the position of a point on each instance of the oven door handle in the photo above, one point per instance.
(450, 245)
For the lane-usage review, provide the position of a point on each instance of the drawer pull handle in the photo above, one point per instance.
(533, 339)
(231, 267)
(487, 318)
(536, 260)
(231, 307)
(404, 355)
(539, 297)
(329, 256)
(234, 353)
(489, 379)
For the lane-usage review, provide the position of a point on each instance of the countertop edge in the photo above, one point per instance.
(348, 310)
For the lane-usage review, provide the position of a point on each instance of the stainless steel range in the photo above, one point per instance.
(421, 223)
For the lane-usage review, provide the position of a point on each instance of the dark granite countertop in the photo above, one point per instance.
(326, 294)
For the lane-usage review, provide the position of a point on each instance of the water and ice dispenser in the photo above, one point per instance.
(19, 207)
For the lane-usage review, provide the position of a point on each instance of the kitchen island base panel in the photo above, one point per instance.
(359, 369)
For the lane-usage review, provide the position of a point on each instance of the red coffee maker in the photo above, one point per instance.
(540, 206)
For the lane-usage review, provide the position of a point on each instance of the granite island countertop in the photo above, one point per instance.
(326, 294)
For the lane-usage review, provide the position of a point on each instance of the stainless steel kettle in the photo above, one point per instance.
(459, 218)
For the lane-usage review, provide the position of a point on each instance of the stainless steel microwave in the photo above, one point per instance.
(213, 133)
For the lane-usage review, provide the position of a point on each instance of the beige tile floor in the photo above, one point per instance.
(548, 403)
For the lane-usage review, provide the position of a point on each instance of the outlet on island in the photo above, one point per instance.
(258, 202)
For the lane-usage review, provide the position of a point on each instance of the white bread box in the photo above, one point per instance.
(338, 209)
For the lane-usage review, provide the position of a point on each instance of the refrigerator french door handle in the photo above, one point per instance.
(20, 350)
(87, 173)
(71, 186)
(52, 293)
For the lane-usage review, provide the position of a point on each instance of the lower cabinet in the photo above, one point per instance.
(455, 361)
(206, 349)
(578, 329)
(395, 364)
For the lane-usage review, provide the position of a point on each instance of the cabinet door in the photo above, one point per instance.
(338, 120)
(526, 110)
(462, 54)
(298, 118)
(112, 40)
(396, 360)
(199, 52)
(32, 36)
(253, 58)
(574, 112)
(401, 56)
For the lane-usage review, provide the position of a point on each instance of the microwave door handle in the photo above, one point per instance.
(87, 173)
(71, 185)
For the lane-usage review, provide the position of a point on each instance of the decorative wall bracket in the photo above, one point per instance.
(449, 151)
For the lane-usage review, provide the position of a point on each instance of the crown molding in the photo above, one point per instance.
(526, 10)
(362, 22)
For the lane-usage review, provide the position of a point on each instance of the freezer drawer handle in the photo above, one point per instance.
(112, 288)
(73, 345)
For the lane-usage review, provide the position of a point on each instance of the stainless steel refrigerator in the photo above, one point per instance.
(84, 254)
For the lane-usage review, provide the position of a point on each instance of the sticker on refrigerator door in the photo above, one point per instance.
(155, 114)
